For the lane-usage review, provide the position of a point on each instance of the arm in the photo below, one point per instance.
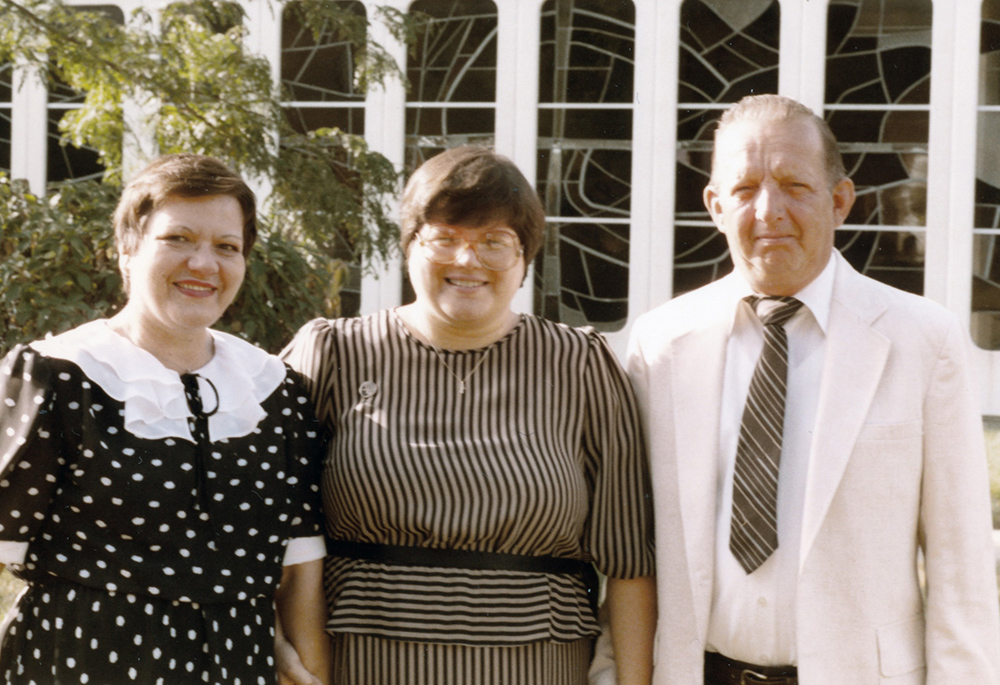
(632, 608)
(962, 626)
(300, 624)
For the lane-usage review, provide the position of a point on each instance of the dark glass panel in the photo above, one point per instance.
(66, 162)
(701, 255)
(581, 277)
(728, 49)
(587, 51)
(318, 68)
(454, 57)
(892, 257)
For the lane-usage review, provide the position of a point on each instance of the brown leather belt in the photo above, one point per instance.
(721, 670)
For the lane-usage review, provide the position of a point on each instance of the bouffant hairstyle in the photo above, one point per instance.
(472, 186)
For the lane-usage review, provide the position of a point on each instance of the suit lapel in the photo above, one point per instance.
(856, 355)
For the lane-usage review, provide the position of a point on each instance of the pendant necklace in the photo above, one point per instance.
(461, 381)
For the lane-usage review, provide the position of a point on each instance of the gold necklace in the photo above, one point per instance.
(461, 381)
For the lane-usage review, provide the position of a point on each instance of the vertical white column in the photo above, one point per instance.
(29, 126)
(385, 132)
(518, 49)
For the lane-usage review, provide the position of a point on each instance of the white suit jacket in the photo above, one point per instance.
(897, 464)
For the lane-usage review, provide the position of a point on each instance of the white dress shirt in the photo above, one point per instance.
(753, 615)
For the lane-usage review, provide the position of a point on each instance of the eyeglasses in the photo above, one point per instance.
(495, 250)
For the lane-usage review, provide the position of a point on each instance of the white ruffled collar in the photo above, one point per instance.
(155, 406)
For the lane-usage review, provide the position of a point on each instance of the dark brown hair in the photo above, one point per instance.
(472, 186)
(179, 175)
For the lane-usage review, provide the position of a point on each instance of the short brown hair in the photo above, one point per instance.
(771, 107)
(179, 175)
(472, 186)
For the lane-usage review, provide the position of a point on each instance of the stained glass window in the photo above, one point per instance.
(584, 169)
(6, 97)
(320, 90)
(66, 162)
(986, 250)
(728, 50)
(878, 106)
(452, 77)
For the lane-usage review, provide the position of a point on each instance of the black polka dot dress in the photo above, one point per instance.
(153, 512)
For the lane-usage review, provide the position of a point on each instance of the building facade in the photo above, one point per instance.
(609, 106)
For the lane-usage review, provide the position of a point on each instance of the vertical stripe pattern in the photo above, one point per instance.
(754, 532)
(366, 660)
(541, 455)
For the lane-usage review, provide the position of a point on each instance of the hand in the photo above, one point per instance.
(289, 665)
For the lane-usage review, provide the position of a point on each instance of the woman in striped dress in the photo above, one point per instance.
(481, 462)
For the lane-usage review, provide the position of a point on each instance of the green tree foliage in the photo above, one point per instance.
(182, 80)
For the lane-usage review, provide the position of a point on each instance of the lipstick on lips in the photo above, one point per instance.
(194, 288)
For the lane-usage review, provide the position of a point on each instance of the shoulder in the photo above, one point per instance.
(899, 315)
(24, 365)
(690, 311)
(562, 335)
(325, 331)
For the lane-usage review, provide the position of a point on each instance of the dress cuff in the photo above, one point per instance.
(301, 550)
(13, 553)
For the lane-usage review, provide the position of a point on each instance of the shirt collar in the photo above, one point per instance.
(816, 296)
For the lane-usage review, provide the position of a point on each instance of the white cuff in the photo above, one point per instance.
(13, 553)
(301, 550)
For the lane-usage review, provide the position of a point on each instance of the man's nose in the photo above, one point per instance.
(770, 205)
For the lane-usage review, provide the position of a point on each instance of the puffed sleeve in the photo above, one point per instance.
(30, 444)
(619, 531)
(310, 354)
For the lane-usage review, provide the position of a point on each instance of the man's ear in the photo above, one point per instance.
(843, 199)
(713, 203)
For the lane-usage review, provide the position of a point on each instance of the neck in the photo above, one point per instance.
(182, 351)
(454, 337)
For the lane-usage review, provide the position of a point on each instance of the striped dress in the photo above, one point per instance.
(540, 455)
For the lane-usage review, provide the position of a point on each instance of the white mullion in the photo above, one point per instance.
(385, 132)
(654, 137)
(516, 123)
(29, 128)
(940, 257)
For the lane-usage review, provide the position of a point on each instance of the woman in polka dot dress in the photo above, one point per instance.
(158, 480)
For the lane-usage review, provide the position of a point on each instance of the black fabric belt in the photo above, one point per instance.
(721, 670)
(401, 555)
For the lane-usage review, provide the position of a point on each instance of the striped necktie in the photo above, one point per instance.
(754, 530)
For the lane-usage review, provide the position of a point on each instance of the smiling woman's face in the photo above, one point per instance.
(188, 266)
(463, 294)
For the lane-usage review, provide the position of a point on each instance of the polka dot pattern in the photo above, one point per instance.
(134, 550)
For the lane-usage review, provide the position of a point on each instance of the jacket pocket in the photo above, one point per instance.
(901, 646)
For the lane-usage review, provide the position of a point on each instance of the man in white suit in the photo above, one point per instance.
(881, 453)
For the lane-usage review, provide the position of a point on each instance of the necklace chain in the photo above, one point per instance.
(461, 381)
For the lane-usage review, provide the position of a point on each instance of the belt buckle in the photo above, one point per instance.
(748, 677)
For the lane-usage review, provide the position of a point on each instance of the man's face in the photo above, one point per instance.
(771, 197)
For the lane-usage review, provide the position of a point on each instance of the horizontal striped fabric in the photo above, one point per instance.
(540, 456)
